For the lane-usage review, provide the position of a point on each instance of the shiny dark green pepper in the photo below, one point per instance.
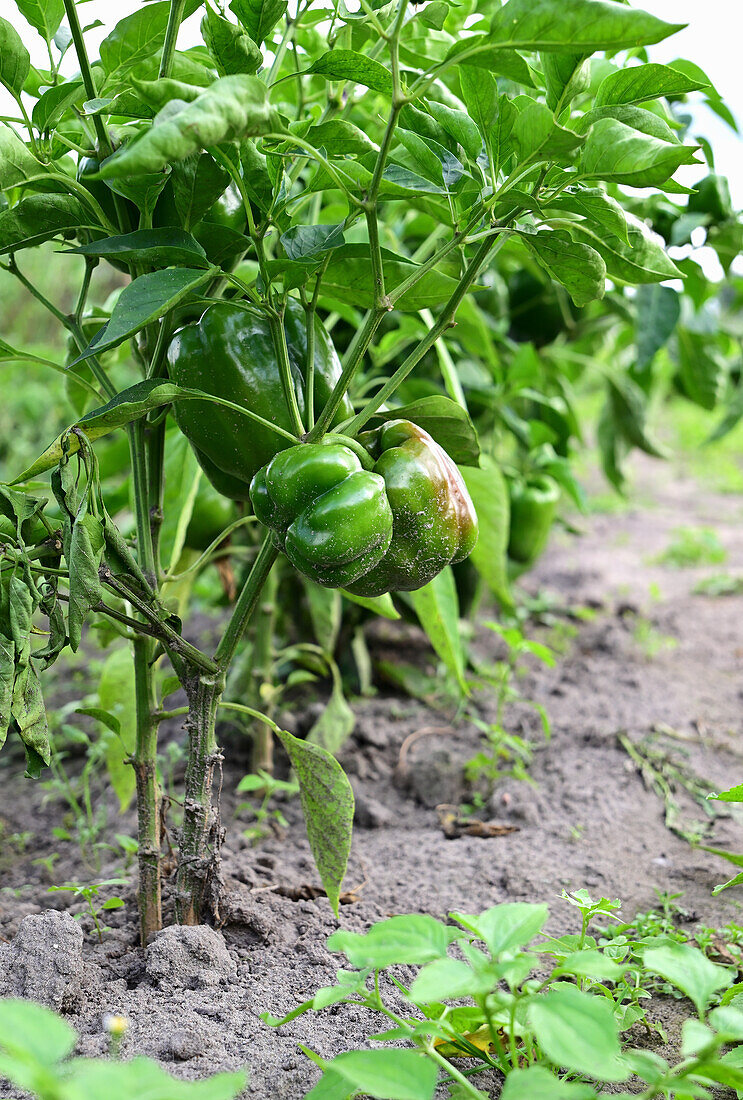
(332, 516)
(212, 513)
(533, 508)
(435, 524)
(230, 353)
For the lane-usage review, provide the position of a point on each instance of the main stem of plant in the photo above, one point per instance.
(197, 884)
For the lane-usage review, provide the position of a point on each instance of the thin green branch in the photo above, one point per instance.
(175, 18)
(246, 602)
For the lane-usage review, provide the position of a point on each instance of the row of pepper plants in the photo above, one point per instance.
(307, 206)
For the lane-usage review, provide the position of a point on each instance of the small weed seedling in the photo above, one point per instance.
(266, 817)
(505, 753)
(550, 1015)
(89, 894)
(693, 546)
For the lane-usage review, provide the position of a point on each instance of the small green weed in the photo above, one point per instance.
(89, 893)
(504, 752)
(693, 546)
(720, 584)
(551, 1016)
(650, 640)
(266, 818)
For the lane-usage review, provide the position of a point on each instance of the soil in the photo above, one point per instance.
(654, 665)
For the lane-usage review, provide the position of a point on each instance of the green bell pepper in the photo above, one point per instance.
(332, 516)
(230, 353)
(435, 523)
(533, 508)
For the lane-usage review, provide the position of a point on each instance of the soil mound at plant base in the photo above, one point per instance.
(44, 963)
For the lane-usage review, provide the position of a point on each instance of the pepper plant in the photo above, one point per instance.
(300, 164)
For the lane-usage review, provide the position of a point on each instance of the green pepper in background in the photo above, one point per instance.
(212, 514)
(533, 508)
(230, 353)
(220, 232)
(104, 196)
(435, 523)
(712, 197)
(332, 516)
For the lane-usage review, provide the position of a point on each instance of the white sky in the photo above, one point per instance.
(712, 40)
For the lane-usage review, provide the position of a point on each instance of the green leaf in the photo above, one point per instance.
(339, 138)
(116, 695)
(480, 95)
(702, 367)
(733, 794)
(156, 93)
(657, 311)
(304, 242)
(458, 125)
(349, 278)
(386, 1074)
(571, 26)
(592, 964)
(233, 50)
(38, 218)
(30, 716)
(639, 83)
(55, 102)
(689, 970)
(437, 608)
(411, 939)
(37, 1034)
(7, 676)
(481, 53)
(16, 162)
(84, 560)
(577, 1031)
(449, 979)
(487, 487)
(198, 182)
(100, 1079)
(154, 247)
(506, 927)
(642, 260)
(259, 17)
(579, 267)
(566, 75)
(326, 614)
(538, 137)
(599, 208)
(737, 880)
(134, 38)
(128, 405)
(348, 65)
(43, 15)
(15, 62)
(182, 477)
(620, 154)
(144, 300)
(537, 1083)
(337, 721)
(628, 407)
(445, 421)
(232, 107)
(327, 803)
(380, 605)
(636, 117)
